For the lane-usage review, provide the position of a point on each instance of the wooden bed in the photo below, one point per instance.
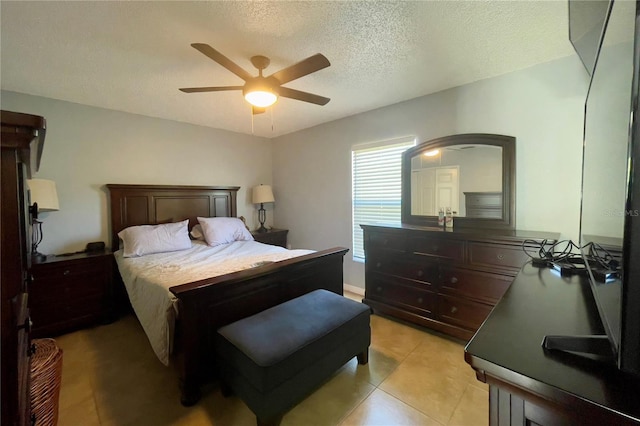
(206, 305)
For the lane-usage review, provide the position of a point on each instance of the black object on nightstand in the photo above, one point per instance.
(70, 292)
(275, 237)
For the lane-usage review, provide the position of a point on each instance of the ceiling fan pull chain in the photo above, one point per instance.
(251, 112)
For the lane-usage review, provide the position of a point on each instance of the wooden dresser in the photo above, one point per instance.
(448, 280)
(69, 292)
(22, 141)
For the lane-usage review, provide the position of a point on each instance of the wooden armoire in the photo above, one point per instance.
(22, 141)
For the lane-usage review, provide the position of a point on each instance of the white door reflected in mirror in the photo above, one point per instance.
(441, 180)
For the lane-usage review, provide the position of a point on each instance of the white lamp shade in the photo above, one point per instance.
(43, 192)
(262, 194)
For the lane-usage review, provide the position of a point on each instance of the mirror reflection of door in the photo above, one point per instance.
(440, 177)
(434, 188)
(447, 193)
(423, 187)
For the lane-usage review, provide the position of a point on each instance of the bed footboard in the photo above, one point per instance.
(209, 304)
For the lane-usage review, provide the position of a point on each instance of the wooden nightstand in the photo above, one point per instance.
(69, 292)
(275, 237)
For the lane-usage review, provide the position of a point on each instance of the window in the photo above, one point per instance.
(376, 185)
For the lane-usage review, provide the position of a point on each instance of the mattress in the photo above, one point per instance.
(148, 279)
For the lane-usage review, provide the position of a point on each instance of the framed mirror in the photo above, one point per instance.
(471, 174)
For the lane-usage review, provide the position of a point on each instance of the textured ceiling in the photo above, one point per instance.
(133, 56)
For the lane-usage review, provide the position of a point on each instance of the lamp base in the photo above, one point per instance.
(37, 257)
(262, 217)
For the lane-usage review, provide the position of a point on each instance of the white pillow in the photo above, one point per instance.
(224, 230)
(148, 239)
(196, 233)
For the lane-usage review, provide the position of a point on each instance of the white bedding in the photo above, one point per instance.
(148, 278)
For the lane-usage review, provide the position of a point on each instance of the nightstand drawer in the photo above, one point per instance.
(68, 269)
(75, 286)
(48, 314)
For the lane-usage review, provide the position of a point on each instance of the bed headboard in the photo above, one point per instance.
(150, 204)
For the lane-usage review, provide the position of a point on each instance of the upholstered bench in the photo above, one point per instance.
(276, 358)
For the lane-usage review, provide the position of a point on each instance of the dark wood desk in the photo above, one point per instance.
(529, 385)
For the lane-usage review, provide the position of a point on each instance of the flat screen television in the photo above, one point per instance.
(610, 208)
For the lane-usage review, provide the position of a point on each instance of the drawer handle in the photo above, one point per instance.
(454, 280)
(378, 265)
(454, 309)
(500, 256)
(379, 289)
(66, 272)
(420, 273)
(420, 300)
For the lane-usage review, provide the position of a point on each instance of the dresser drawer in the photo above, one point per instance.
(437, 247)
(497, 255)
(461, 312)
(412, 268)
(482, 286)
(385, 240)
(393, 291)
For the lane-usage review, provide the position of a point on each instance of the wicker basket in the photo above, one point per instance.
(46, 375)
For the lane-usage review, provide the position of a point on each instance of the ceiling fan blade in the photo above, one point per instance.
(209, 89)
(222, 60)
(257, 110)
(307, 66)
(285, 92)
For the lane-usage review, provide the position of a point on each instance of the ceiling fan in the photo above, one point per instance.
(261, 91)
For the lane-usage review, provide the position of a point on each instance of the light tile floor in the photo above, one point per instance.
(414, 377)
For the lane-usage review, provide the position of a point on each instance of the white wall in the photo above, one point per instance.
(541, 106)
(87, 147)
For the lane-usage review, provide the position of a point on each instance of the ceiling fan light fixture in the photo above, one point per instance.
(261, 98)
(260, 93)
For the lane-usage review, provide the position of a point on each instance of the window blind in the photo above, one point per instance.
(376, 186)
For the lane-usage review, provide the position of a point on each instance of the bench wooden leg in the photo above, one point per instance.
(363, 357)
(273, 421)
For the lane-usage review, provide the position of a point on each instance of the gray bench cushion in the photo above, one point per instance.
(274, 345)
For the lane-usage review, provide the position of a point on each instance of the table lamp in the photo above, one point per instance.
(262, 194)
